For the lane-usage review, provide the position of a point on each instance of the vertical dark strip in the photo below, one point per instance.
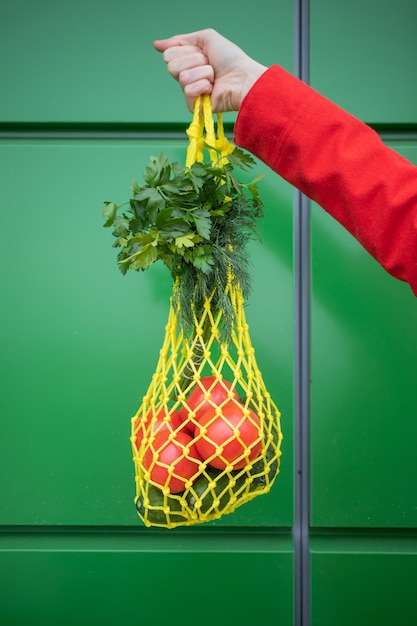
(302, 353)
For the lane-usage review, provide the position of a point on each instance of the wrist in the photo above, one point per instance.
(254, 72)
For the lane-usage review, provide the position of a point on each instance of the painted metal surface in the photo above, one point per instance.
(362, 56)
(363, 391)
(85, 578)
(94, 61)
(364, 580)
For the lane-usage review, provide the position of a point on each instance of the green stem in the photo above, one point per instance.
(198, 355)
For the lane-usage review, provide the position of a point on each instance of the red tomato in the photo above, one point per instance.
(179, 455)
(164, 422)
(233, 431)
(217, 392)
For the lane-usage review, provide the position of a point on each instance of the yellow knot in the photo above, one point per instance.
(218, 147)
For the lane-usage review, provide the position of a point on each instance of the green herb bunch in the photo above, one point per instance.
(196, 220)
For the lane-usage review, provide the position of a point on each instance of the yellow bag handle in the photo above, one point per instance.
(203, 121)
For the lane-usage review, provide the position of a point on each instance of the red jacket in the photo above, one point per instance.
(339, 162)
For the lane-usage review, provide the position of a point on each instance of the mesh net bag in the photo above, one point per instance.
(206, 438)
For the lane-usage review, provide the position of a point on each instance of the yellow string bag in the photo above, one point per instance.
(206, 438)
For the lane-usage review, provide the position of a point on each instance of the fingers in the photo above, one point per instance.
(189, 66)
(183, 58)
(194, 75)
(195, 89)
(196, 82)
(205, 62)
(197, 39)
(162, 44)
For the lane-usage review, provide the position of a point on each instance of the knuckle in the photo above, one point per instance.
(184, 78)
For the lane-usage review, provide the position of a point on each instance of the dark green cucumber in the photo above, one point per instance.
(156, 512)
(213, 486)
(265, 470)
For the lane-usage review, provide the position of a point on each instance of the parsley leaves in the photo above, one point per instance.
(196, 220)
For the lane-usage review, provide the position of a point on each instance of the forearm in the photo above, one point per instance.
(337, 161)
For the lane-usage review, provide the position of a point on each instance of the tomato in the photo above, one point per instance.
(164, 422)
(207, 393)
(172, 462)
(234, 431)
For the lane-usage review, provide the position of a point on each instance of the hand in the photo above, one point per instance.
(204, 62)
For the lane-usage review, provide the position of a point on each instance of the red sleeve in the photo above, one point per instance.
(339, 162)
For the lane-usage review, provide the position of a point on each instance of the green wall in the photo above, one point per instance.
(85, 102)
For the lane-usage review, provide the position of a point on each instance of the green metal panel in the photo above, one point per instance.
(80, 341)
(94, 61)
(103, 580)
(363, 57)
(363, 384)
(363, 581)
